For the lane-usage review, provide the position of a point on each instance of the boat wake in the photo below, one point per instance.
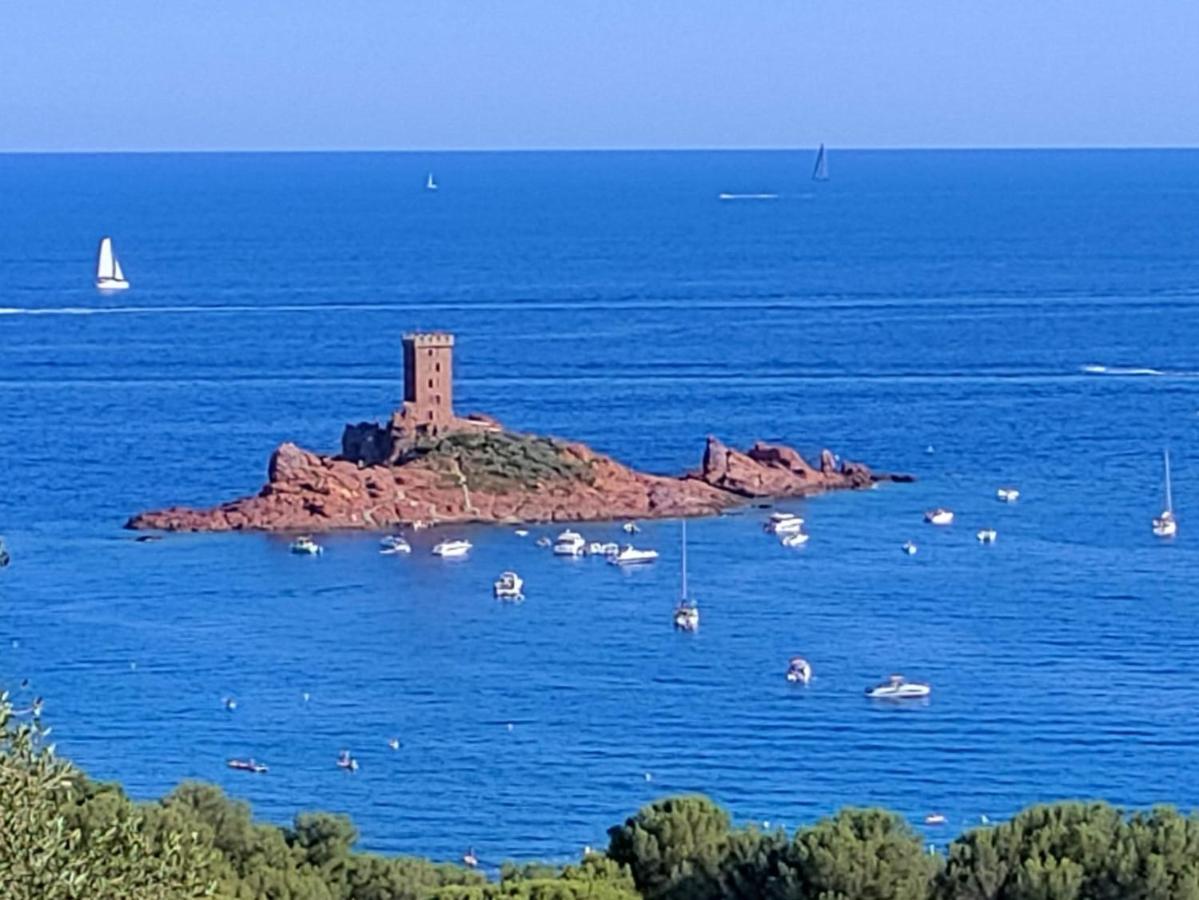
(1121, 370)
(749, 196)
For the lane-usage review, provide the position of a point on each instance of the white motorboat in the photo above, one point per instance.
(630, 528)
(686, 614)
(1008, 494)
(544, 542)
(449, 549)
(939, 516)
(569, 543)
(521, 532)
(109, 276)
(899, 688)
(630, 555)
(1166, 525)
(393, 544)
(430, 184)
(783, 523)
(509, 586)
(346, 761)
(304, 545)
(595, 548)
(909, 548)
(794, 539)
(799, 670)
(987, 536)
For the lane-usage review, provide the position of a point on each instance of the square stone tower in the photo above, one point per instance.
(429, 380)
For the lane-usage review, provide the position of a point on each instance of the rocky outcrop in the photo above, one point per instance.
(497, 476)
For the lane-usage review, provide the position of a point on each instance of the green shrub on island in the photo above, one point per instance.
(64, 837)
(503, 461)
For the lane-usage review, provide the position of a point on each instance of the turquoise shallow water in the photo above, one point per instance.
(1030, 316)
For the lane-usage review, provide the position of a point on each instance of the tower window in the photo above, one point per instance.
(439, 367)
(430, 382)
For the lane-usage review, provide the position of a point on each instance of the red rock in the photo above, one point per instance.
(516, 478)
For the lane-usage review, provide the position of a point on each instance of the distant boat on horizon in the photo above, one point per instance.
(430, 184)
(109, 276)
(820, 170)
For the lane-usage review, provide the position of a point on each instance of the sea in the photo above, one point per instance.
(977, 319)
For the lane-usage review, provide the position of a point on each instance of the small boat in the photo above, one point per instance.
(306, 546)
(1166, 525)
(783, 523)
(346, 761)
(469, 859)
(799, 670)
(509, 586)
(430, 184)
(109, 276)
(595, 548)
(521, 532)
(934, 819)
(611, 548)
(230, 704)
(247, 765)
(686, 614)
(569, 543)
(5, 559)
(939, 516)
(987, 536)
(448, 549)
(630, 555)
(421, 525)
(1008, 494)
(393, 743)
(544, 542)
(794, 539)
(820, 169)
(909, 548)
(899, 688)
(686, 617)
(630, 528)
(394, 543)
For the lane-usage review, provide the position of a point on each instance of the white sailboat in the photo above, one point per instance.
(686, 614)
(109, 276)
(430, 184)
(1166, 525)
(820, 170)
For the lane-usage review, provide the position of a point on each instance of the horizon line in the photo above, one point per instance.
(962, 148)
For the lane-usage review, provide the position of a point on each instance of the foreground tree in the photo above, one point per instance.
(673, 847)
(49, 852)
(858, 854)
(1076, 851)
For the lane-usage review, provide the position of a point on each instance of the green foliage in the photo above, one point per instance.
(1076, 851)
(673, 847)
(595, 878)
(861, 854)
(502, 462)
(61, 840)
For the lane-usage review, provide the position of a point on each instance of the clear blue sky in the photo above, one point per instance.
(392, 74)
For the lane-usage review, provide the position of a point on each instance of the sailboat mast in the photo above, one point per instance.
(1169, 492)
(684, 596)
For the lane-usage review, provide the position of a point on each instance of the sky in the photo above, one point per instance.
(92, 75)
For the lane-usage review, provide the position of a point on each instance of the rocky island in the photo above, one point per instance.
(429, 465)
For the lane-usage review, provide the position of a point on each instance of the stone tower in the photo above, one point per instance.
(429, 381)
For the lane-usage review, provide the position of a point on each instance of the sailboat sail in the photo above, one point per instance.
(820, 170)
(106, 265)
(116, 270)
(430, 184)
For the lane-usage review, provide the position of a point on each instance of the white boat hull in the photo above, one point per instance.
(901, 692)
(111, 284)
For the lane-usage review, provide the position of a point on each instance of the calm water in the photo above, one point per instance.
(951, 300)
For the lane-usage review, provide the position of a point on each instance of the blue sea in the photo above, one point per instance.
(978, 319)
